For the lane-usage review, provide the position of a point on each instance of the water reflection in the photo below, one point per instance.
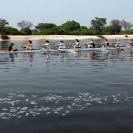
(91, 55)
(4, 45)
(11, 55)
(116, 55)
(77, 55)
(61, 55)
(29, 56)
(47, 55)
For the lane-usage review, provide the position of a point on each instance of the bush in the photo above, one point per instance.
(11, 31)
(130, 32)
(4, 37)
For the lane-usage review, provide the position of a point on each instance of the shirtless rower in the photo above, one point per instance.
(61, 45)
(105, 43)
(130, 43)
(46, 45)
(28, 46)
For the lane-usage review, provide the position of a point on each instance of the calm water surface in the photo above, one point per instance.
(84, 92)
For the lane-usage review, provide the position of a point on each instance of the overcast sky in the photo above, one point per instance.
(60, 11)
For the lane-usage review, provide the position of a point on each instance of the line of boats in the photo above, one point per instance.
(69, 50)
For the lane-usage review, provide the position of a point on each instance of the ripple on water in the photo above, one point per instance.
(54, 104)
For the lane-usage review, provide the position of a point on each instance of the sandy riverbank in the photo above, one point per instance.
(66, 37)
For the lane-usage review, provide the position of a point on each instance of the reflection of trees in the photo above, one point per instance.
(4, 45)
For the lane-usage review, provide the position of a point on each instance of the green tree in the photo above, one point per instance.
(26, 31)
(82, 31)
(11, 31)
(43, 26)
(130, 32)
(70, 26)
(3, 23)
(115, 26)
(54, 31)
(106, 30)
(98, 24)
(34, 31)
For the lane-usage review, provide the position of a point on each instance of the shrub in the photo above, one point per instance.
(4, 37)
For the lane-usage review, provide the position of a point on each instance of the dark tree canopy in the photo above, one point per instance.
(43, 26)
(26, 31)
(115, 26)
(98, 24)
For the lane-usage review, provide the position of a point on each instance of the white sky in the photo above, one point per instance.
(60, 11)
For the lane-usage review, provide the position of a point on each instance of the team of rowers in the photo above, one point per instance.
(61, 45)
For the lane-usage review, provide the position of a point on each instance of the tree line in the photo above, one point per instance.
(98, 27)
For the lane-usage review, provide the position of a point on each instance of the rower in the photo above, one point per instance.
(46, 45)
(105, 43)
(117, 43)
(77, 44)
(28, 46)
(91, 44)
(61, 45)
(130, 43)
(11, 47)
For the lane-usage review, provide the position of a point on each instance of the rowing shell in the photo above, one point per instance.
(36, 50)
(69, 50)
(98, 49)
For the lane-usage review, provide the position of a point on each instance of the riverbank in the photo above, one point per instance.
(66, 37)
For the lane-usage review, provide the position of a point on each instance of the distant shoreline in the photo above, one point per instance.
(66, 37)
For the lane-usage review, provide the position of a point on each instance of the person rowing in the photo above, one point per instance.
(105, 43)
(11, 48)
(28, 46)
(77, 44)
(117, 43)
(130, 43)
(91, 44)
(46, 45)
(61, 45)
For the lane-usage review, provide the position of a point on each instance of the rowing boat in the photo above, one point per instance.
(35, 50)
(99, 49)
(68, 50)
(128, 47)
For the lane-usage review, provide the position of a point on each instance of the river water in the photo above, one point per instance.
(83, 92)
